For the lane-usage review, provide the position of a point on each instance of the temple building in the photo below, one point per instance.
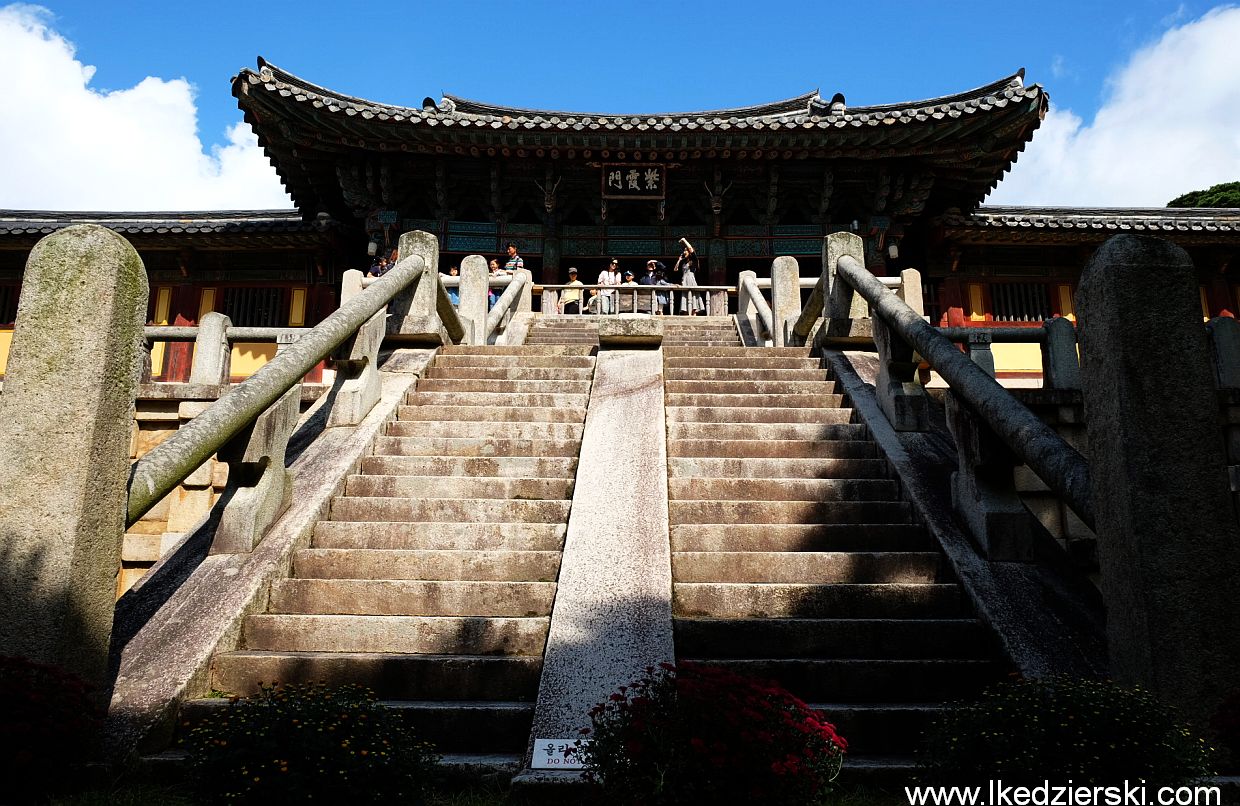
(744, 185)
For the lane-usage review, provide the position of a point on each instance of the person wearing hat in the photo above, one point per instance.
(570, 298)
(627, 300)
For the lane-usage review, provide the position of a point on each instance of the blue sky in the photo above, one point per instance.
(172, 59)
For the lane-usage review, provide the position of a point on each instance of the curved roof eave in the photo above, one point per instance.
(810, 103)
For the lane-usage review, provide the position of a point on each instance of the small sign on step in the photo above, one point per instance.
(556, 754)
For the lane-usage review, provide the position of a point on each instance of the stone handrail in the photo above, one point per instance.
(155, 474)
(751, 303)
(903, 330)
(513, 300)
(550, 294)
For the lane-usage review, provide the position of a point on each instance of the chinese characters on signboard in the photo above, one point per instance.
(634, 181)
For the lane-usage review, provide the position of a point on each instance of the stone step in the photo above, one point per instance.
(480, 726)
(427, 564)
(870, 681)
(790, 600)
(722, 433)
(514, 373)
(409, 597)
(560, 338)
(715, 374)
(490, 414)
(726, 513)
(493, 429)
(447, 510)
(854, 638)
(564, 467)
(389, 675)
(535, 400)
(741, 362)
(700, 342)
(760, 450)
(568, 363)
(472, 537)
(750, 388)
(481, 447)
(495, 385)
(808, 568)
(460, 487)
(415, 635)
(768, 402)
(768, 469)
(775, 490)
(746, 352)
(791, 537)
(514, 350)
(881, 728)
(774, 413)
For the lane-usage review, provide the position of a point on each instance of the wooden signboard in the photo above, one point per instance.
(630, 180)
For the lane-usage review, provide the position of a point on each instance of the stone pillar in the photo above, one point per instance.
(1168, 542)
(1061, 368)
(901, 396)
(910, 291)
(414, 315)
(785, 298)
(473, 294)
(357, 373)
(65, 420)
(842, 302)
(212, 352)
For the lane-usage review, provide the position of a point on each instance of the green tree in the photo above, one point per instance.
(1224, 195)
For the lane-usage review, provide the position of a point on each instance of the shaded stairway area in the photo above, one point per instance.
(433, 580)
(794, 558)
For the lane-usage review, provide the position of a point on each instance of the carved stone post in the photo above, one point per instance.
(785, 298)
(212, 352)
(1168, 541)
(984, 487)
(910, 291)
(525, 301)
(259, 485)
(978, 346)
(473, 294)
(1061, 369)
(65, 419)
(415, 315)
(842, 302)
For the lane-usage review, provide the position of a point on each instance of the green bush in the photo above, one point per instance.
(693, 734)
(1059, 729)
(47, 725)
(309, 742)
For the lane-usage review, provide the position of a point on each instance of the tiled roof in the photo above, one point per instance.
(808, 111)
(318, 139)
(1091, 223)
(42, 222)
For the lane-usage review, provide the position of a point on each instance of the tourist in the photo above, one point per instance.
(645, 302)
(495, 271)
(610, 276)
(628, 302)
(570, 298)
(378, 268)
(515, 263)
(662, 299)
(691, 302)
(454, 292)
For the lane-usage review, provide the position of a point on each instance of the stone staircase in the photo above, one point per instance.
(795, 559)
(432, 582)
(563, 330)
(700, 331)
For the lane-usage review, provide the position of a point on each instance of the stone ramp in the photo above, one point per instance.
(433, 580)
(795, 559)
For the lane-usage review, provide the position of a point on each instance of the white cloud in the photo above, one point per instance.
(1170, 124)
(67, 146)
